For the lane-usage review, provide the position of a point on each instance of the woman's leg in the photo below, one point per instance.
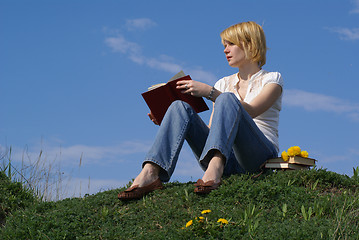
(234, 133)
(179, 123)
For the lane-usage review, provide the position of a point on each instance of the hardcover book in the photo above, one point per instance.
(160, 96)
(294, 160)
(285, 165)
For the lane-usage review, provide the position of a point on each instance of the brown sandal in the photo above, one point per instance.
(205, 187)
(136, 192)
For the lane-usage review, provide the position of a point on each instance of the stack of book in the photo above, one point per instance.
(293, 163)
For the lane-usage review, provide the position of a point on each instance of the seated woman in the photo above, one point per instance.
(243, 129)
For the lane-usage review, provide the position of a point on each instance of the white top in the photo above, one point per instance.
(268, 121)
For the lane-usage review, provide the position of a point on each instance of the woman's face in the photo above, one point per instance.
(234, 54)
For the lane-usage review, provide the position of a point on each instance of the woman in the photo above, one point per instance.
(243, 129)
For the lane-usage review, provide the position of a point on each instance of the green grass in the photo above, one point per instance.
(312, 204)
(12, 197)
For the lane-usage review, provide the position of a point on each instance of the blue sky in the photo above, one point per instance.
(72, 74)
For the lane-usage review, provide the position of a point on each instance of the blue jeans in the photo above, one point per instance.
(233, 133)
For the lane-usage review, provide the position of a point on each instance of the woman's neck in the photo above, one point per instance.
(247, 71)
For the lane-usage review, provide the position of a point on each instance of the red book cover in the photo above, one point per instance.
(160, 98)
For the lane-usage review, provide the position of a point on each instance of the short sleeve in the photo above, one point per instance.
(220, 85)
(226, 84)
(273, 77)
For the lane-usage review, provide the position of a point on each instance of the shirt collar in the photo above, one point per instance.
(236, 79)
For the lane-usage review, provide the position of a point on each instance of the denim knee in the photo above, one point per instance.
(178, 104)
(180, 107)
(225, 98)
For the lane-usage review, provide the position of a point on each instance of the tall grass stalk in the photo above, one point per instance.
(344, 217)
(42, 176)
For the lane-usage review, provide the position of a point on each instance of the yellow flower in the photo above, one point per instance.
(285, 156)
(200, 219)
(222, 220)
(304, 154)
(293, 151)
(206, 211)
(297, 150)
(290, 152)
(189, 223)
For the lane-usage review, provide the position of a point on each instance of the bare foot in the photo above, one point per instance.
(215, 168)
(148, 175)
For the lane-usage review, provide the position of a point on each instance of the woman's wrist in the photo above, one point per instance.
(210, 94)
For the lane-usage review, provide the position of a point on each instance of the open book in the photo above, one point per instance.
(160, 96)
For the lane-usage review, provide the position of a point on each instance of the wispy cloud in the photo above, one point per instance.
(79, 154)
(356, 6)
(346, 33)
(319, 102)
(119, 44)
(187, 168)
(139, 24)
(340, 162)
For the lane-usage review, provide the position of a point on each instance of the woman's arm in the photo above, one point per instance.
(264, 100)
(198, 89)
(261, 103)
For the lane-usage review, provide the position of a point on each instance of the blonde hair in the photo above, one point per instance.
(250, 37)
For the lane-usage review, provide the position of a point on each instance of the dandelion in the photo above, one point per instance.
(206, 211)
(293, 151)
(304, 154)
(290, 152)
(222, 221)
(297, 150)
(200, 219)
(285, 156)
(189, 223)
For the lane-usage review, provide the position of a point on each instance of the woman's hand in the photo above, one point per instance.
(194, 88)
(153, 119)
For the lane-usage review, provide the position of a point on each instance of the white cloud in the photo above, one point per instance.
(139, 24)
(50, 167)
(319, 102)
(342, 162)
(187, 168)
(356, 6)
(78, 187)
(346, 33)
(74, 155)
(203, 76)
(120, 44)
(164, 63)
(355, 152)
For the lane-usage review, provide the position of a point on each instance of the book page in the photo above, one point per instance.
(178, 75)
(156, 86)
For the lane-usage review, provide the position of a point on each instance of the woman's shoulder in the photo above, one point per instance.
(271, 74)
(228, 79)
(272, 77)
(226, 83)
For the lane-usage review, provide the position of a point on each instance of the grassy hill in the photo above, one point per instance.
(312, 204)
